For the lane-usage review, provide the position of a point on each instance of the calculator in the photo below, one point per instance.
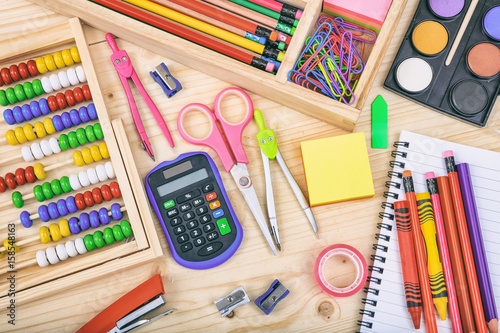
(199, 222)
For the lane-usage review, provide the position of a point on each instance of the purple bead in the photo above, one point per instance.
(35, 109)
(73, 226)
(84, 116)
(71, 205)
(43, 213)
(18, 114)
(103, 216)
(61, 207)
(84, 221)
(9, 117)
(44, 106)
(53, 211)
(26, 220)
(75, 118)
(26, 110)
(66, 120)
(94, 219)
(92, 111)
(116, 212)
(58, 124)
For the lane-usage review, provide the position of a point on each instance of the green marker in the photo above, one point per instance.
(379, 123)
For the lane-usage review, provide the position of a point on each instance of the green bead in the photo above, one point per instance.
(98, 240)
(117, 232)
(17, 199)
(37, 87)
(126, 228)
(47, 191)
(63, 142)
(28, 90)
(108, 236)
(73, 140)
(98, 131)
(88, 240)
(19, 91)
(56, 187)
(38, 192)
(11, 95)
(3, 98)
(65, 185)
(81, 137)
(89, 130)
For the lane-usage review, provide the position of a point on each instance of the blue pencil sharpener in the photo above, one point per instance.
(168, 83)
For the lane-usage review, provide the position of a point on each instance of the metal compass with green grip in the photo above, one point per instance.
(265, 138)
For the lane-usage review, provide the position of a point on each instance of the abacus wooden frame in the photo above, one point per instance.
(146, 245)
(276, 88)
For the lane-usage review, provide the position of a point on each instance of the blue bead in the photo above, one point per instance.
(43, 213)
(18, 114)
(92, 111)
(35, 109)
(44, 106)
(26, 110)
(73, 226)
(103, 216)
(70, 204)
(66, 120)
(84, 221)
(53, 211)
(84, 116)
(61, 207)
(75, 118)
(58, 124)
(26, 220)
(9, 117)
(116, 213)
(94, 219)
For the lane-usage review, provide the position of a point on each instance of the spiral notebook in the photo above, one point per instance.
(385, 304)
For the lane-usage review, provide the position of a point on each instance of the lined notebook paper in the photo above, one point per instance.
(385, 304)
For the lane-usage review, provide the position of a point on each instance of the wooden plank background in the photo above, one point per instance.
(192, 292)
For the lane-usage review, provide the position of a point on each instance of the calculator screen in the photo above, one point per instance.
(182, 182)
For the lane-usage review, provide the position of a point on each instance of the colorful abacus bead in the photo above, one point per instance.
(20, 177)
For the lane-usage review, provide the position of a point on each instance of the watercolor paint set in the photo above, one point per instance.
(449, 59)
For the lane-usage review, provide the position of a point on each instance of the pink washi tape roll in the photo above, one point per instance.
(349, 252)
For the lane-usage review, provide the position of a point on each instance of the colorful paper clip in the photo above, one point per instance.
(167, 82)
(271, 297)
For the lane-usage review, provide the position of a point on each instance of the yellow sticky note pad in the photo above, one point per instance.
(337, 169)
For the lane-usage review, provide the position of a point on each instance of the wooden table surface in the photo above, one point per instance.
(192, 292)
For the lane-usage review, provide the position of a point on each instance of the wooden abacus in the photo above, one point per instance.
(113, 201)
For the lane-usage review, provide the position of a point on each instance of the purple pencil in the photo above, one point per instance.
(476, 238)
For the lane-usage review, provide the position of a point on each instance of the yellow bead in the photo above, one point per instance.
(87, 156)
(75, 54)
(40, 129)
(10, 245)
(28, 131)
(64, 227)
(44, 235)
(55, 232)
(20, 135)
(11, 137)
(49, 61)
(103, 148)
(96, 154)
(1, 255)
(39, 171)
(40, 65)
(66, 55)
(49, 126)
(78, 159)
(58, 59)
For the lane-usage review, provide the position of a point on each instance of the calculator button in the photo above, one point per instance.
(210, 249)
(207, 188)
(179, 230)
(218, 213)
(208, 227)
(195, 232)
(224, 227)
(172, 212)
(214, 205)
(199, 241)
(201, 210)
(211, 196)
(182, 238)
(188, 196)
(212, 236)
(192, 224)
(168, 204)
(197, 202)
(186, 247)
(188, 216)
(185, 207)
(175, 221)
(205, 218)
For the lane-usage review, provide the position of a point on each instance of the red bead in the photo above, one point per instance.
(86, 92)
(106, 193)
(10, 179)
(1, 81)
(29, 173)
(4, 73)
(14, 73)
(61, 101)
(20, 179)
(3, 186)
(115, 190)
(80, 202)
(51, 100)
(70, 98)
(32, 68)
(97, 196)
(78, 94)
(89, 200)
(23, 70)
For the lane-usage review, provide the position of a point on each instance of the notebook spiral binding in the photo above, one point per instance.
(381, 237)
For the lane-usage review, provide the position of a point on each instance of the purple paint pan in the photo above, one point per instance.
(491, 23)
(446, 8)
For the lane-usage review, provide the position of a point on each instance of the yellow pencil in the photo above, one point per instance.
(436, 275)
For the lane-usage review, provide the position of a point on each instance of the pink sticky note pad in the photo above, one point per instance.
(366, 12)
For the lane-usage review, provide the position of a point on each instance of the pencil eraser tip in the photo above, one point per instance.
(429, 175)
(448, 153)
(407, 173)
(270, 67)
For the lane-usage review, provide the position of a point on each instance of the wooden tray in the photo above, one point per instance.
(31, 281)
(274, 87)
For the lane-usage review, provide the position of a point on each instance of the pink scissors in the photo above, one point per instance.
(214, 139)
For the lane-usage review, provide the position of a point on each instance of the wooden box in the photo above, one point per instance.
(31, 281)
(274, 87)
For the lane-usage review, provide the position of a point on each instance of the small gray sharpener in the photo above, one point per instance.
(230, 302)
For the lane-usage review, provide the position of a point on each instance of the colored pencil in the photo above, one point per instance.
(461, 286)
(266, 11)
(408, 263)
(418, 242)
(183, 32)
(443, 250)
(476, 239)
(283, 9)
(470, 268)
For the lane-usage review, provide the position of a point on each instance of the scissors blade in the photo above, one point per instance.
(271, 209)
(242, 178)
